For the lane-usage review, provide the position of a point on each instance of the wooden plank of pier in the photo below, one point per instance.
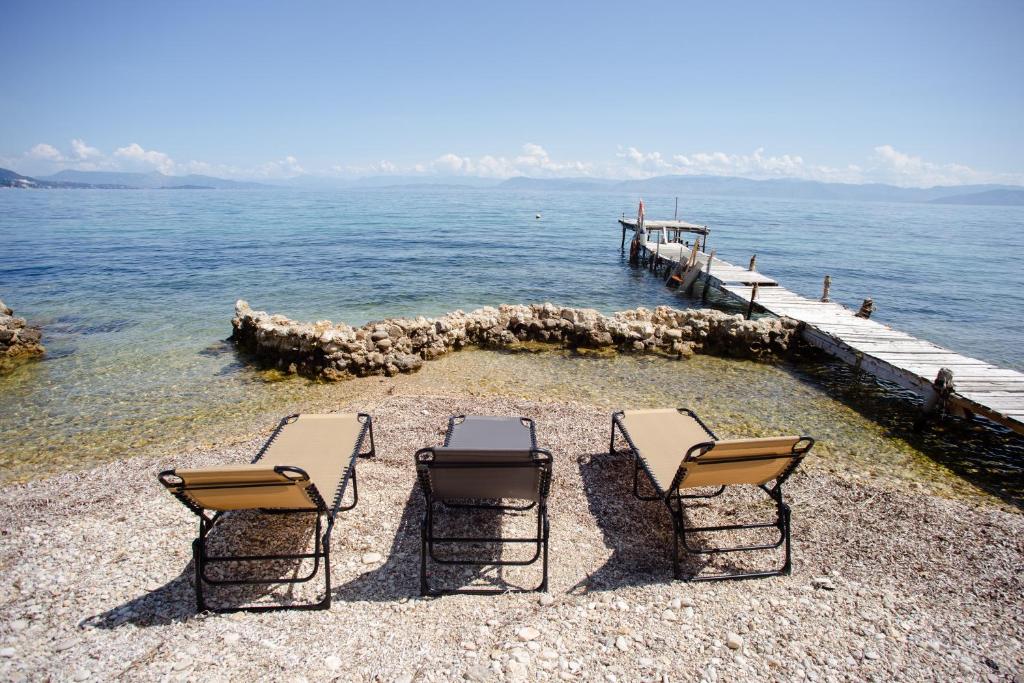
(980, 387)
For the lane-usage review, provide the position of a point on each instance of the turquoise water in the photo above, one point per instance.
(135, 288)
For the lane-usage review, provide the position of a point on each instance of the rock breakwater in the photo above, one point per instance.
(334, 351)
(18, 339)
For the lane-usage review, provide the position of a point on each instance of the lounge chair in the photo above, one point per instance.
(484, 459)
(304, 467)
(679, 453)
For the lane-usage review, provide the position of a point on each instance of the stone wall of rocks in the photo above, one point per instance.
(335, 351)
(18, 339)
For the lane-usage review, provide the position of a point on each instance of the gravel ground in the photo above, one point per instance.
(887, 583)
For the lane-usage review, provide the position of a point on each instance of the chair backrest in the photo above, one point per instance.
(743, 461)
(458, 473)
(244, 487)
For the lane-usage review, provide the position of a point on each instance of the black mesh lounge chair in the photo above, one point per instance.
(304, 467)
(484, 459)
(680, 454)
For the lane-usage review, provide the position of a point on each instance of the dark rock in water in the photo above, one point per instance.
(330, 351)
(18, 340)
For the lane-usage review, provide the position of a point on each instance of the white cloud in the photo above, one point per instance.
(288, 167)
(883, 164)
(136, 155)
(83, 151)
(889, 165)
(45, 152)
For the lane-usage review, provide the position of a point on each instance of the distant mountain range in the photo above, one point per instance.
(989, 198)
(106, 180)
(683, 185)
(782, 188)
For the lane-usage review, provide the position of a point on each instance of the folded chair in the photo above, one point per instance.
(304, 467)
(484, 459)
(680, 456)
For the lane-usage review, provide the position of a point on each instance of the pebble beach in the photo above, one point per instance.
(890, 581)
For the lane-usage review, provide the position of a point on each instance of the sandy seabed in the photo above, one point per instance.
(889, 582)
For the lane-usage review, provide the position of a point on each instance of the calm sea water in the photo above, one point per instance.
(135, 288)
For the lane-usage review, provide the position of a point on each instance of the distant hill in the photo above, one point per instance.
(316, 182)
(150, 181)
(781, 188)
(987, 198)
(564, 184)
(9, 178)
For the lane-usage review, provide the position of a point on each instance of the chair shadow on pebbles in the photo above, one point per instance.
(245, 532)
(639, 533)
(399, 576)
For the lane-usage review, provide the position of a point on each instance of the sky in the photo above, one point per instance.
(909, 93)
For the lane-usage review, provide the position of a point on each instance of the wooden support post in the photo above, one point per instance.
(622, 247)
(826, 286)
(753, 295)
(938, 404)
(866, 309)
(675, 216)
(707, 277)
(753, 263)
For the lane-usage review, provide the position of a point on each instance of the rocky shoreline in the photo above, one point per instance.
(18, 340)
(331, 351)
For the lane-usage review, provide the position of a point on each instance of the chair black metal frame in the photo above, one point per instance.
(321, 543)
(674, 500)
(425, 462)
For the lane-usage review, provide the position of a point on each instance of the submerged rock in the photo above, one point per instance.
(337, 351)
(18, 339)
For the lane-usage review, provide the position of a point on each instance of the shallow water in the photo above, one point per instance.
(135, 291)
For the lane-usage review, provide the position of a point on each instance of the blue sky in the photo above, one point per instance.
(914, 93)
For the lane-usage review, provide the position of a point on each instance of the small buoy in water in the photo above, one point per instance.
(537, 216)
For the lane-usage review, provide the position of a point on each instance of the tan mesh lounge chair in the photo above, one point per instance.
(484, 458)
(304, 467)
(681, 455)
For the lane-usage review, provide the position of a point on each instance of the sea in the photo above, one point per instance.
(135, 289)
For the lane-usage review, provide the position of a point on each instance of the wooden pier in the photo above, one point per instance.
(944, 379)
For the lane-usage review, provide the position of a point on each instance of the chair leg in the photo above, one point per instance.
(547, 535)
(424, 589)
(197, 564)
(787, 568)
(326, 602)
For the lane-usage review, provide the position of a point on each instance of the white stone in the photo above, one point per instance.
(404, 678)
(733, 641)
(65, 644)
(546, 600)
(372, 558)
(332, 662)
(669, 615)
(527, 633)
(516, 671)
(622, 643)
(8, 652)
(182, 664)
(548, 654)
(231, 637)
